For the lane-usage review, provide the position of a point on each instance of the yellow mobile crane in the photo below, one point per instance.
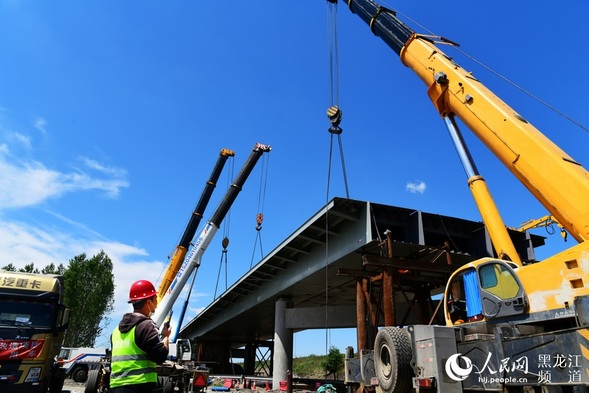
(182, 247)
(507, 325)
(177, 375)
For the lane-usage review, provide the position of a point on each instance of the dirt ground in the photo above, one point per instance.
(78, 387)
(73, 387)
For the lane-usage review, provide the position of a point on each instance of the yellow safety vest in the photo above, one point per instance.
(129, 364)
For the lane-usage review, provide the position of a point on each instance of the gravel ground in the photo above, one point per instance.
(78, 387)
(73, 387)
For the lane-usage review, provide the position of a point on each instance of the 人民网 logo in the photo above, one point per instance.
(455, 371)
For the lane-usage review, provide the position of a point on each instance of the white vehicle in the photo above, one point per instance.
(180, 350)
(78, 361)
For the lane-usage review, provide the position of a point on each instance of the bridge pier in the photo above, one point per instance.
(283, 344)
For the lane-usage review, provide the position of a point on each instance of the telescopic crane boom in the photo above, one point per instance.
(542, 167)
(193, 259)
(496, 312)
(182, 248)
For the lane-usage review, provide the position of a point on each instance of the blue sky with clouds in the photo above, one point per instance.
(112, 115)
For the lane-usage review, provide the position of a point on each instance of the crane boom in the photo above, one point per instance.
(193, 259)
(490, 305)
(539, 164)
(182, 248)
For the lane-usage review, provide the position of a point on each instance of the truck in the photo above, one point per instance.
(79, 361)
(33, 321)
(177, 373)
(509, 326)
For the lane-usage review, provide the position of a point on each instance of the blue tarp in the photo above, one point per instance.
(327, 388)
(473, 296)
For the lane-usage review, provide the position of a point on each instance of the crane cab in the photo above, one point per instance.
(482, 290)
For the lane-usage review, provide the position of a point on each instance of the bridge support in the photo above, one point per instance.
(283, 344)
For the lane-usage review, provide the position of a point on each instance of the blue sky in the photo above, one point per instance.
(112, 115)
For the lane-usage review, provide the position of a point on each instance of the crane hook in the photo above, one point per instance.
(334, 114)
(259, 219)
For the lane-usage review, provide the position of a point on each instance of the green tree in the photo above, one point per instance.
(333, 362)
(89, 293)
(52, 269)
(30, 268)
(9, 268)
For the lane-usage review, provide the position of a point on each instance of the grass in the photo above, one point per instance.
(310, 367)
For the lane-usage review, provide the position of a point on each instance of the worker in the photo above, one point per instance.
(457, 302)
(136, 344)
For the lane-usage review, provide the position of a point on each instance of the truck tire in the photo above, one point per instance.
(167, 386)
(80, 374)
(56, 380)
(92, 382)
(392, 360)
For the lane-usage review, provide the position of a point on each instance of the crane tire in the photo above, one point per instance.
(92, 381)
(392, 360)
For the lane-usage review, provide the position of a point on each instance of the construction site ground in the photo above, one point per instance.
(78, 387)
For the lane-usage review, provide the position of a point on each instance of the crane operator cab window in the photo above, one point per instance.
(501, 291)
(491, 290)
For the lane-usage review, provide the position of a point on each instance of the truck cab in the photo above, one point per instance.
(33, 320)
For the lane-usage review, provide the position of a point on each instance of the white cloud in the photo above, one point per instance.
(21, 139)
(40, 124)
(97, 166)
(26, 244)
(28, 182)
(26, 185)
(10, 136)
(32, 183)
(416, 187)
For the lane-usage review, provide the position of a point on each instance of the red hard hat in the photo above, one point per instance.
(140, 290)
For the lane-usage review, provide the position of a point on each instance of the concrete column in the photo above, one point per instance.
(283, 339)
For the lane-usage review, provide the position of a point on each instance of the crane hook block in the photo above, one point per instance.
(259, 219)
(335, 130)
(334, 114)
(225, 242)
